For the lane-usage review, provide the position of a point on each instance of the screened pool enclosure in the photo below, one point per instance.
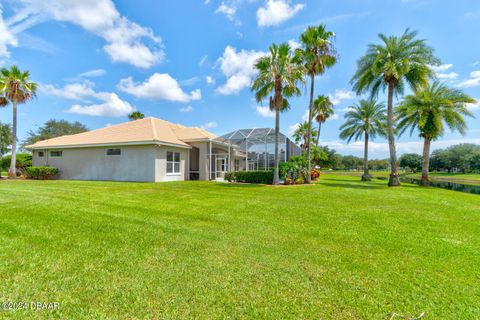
(255, 148)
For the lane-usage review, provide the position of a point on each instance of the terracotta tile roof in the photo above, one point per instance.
(148, 130)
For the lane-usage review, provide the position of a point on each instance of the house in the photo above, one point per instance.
(150, 150)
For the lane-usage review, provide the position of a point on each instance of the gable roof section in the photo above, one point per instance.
(144, 131)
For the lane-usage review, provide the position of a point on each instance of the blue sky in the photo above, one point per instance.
(190, 63)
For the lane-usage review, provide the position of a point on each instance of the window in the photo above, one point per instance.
(41, 154)
(237, 164)
(55, 153)
(114, 152)
(173, 162)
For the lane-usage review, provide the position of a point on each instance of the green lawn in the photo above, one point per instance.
(340, 249)
(471, 178)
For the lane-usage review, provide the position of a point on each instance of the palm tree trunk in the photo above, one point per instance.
(309, 130)
(393, 181)
(366, 175)
(318, 133)
(12, 172)
(276, 175)
(425, 162)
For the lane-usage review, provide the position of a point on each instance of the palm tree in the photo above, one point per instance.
(367, 119)
(428, 111)
(318, 53)
(301, 134)
(3, 103)
(391, 65)
(135, 115)
(17, 88)
(322, 110)
(278, 74)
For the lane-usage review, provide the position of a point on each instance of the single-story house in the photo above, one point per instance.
(149, 150)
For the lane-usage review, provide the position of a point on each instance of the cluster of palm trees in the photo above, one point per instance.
(15, 88)
(392, 65)
(283, 70)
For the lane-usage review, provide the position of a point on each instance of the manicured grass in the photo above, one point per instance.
(339, 249)
(375, 174)
(462, 178)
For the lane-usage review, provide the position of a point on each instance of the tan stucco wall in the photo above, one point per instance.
(161, 164)
(136, 163)
(202, 158)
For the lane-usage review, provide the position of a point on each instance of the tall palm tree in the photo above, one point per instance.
(301, 135)
(17, 88)
(136, 115)
(429, 110)
(318, 53)
(365, 119)
(322, 110)
(3, 103)
(278, 76)
(391, 65)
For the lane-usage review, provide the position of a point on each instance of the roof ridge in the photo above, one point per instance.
(154, 129)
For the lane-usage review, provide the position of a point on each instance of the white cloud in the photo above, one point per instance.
(341, 95)
(294, 44)
(112, 106)
(442, 68)
(447, 76)
(228, 10)
(277, 11)
(209, 125)
(265, 112)
(473, 81)
(92, 73)
(160, 86)
(203, 60)
(440, 72)
(7, 38)
(238, 69)
(292, 128)
(186, 109)
(126, 41)
(210, 80)
(73, 91)
(474, 106)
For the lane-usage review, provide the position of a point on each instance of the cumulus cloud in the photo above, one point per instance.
(238, 69)
(265, 112)
(186, 109)
(112, 106)
(441, 72)
(474, 106)
(210, 80)
(109, 104)
(92, 73)
(7, 38)
(294, 44)
(472, 81)
(228, 10)
(209, 125)
(341, 95)
(160, 86)
(274, 12)
(126, 41)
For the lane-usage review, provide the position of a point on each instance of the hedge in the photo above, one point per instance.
(41, 173)
(264, 177)
(24, 160)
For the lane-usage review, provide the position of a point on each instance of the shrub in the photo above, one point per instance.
(264, 177)
(41, 173)
(230, 176)
(24, 160)
(315, 174)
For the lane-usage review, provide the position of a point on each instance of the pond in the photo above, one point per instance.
(446, 185)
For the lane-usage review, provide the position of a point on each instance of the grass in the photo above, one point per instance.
(339, 249)
(462, 178)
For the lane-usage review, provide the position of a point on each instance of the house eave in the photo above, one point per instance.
(112, 144)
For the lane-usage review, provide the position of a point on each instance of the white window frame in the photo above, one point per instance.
(173, 162)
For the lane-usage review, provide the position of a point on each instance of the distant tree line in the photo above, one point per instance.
(458, 158)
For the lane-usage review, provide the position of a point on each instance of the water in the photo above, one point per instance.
(446, 185)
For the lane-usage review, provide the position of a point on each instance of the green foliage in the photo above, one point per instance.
(301, 135)
(136, 115)
(352, 163)
(5, 138)
(41, 173)
(368, 117)
(53, 128)
(378, 164)
(24, 160)
(262, 177)
(412, 161)
(464, 157)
